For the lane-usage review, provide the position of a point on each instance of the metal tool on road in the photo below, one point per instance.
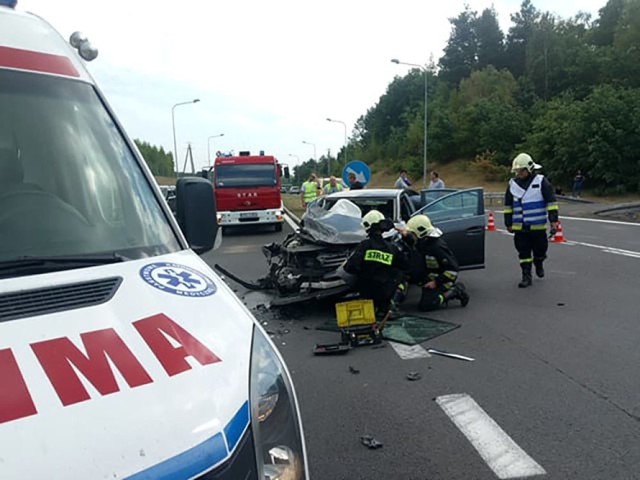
(450, 355)
(331, 349)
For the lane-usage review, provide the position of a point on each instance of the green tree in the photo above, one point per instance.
(605, 26)
(160, 162)
(518, 37)
(599, 135)
(461, 53)
(626, 46)
(490, 40)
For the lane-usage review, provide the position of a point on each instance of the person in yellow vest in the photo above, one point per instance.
(332, 187)
(310, 190)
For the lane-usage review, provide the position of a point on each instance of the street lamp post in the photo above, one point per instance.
(209, 146)
(173, 121)
(345, 137)
(314, 149)
(424, 69)
(296, 157)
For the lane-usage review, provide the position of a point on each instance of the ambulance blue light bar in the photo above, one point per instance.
(8, 3)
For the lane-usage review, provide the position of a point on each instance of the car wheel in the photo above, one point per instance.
(278, 227)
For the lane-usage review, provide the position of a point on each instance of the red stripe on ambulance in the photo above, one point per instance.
(37, 61)
(59, 356)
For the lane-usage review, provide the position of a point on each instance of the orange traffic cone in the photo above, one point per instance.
(491, 224)
(558, 237)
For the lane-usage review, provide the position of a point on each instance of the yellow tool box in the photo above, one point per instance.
(357, 322)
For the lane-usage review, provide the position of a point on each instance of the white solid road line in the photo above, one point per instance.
(407, 352)
(594, 220)
(497, 449)
(616, 251)
(603, 248)
(597, 220)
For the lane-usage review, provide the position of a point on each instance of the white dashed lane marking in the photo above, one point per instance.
(497, 449)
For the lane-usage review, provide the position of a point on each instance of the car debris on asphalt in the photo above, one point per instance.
(450, 355)
(370, 442)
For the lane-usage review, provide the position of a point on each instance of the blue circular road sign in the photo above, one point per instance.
(359, 169)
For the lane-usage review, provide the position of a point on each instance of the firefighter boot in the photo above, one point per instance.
(458, 292)
(461, 294)
(526, 275)
(537, 262)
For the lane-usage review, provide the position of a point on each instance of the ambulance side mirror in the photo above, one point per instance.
(196, 213)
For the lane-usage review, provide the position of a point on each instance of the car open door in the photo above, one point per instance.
(460, 215)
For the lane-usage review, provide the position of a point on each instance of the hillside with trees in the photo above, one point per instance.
(566, 90)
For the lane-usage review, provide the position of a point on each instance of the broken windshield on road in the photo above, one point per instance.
(339, 225)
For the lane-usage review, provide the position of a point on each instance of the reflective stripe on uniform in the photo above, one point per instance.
(432, 263)
(450, 274)
(526, 260)
(378, 256)
(529, 205)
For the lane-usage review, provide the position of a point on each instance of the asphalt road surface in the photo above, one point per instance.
(554, 391)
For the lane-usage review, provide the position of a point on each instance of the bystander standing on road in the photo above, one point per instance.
(436, 181)
(578, 181)
(332, 187)
(528, 201)
(354, 184)
(403, 180)
(310, 190)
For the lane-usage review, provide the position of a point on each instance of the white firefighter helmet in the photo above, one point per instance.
(524, 160)
(371, 218)
(422, 227)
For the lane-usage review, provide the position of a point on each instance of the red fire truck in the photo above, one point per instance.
(247, 189)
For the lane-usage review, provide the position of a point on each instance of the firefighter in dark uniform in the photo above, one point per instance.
(434, 266)
(528, 202)
(379, 264)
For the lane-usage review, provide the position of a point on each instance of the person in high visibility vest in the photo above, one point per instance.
(332, 187)
(528, 202)
(310, 190)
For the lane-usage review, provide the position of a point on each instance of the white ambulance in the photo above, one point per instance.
(122, 354)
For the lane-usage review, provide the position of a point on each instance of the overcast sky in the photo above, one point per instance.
(267, 72)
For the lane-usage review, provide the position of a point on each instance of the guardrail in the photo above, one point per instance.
(493, 198)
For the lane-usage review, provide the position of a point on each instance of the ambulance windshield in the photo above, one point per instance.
(69, 184)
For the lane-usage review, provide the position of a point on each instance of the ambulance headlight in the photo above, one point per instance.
(275, 419)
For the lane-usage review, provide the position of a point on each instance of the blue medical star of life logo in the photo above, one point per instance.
(177, 279)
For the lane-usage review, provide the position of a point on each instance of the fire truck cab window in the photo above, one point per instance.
(252, 175)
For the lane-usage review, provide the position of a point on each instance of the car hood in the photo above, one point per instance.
(155, 373)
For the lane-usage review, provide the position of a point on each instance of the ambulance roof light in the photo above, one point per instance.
(8, 3)
(80, 42)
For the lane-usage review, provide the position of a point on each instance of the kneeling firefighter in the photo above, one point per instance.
(379, 264)
(434, 266)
